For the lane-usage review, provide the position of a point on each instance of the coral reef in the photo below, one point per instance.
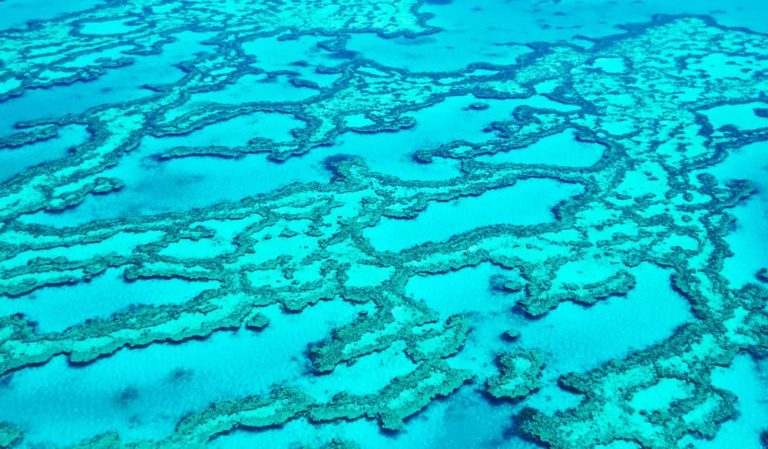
(648, 200)
(10, 435)
(520, 375)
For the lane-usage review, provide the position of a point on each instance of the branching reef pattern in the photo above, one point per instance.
(641, 95)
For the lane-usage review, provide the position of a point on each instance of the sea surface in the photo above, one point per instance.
(339, 224)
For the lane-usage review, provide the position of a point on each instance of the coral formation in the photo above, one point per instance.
(647, 200)
(10, 435)
(520, 373)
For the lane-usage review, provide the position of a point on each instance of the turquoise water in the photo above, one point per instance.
(186, 183)
(560, 149)
(528, 203)
(114, 396)
(21, 12)
(580, 338)
(744, 378)
(115, 86)
(743, 116)
(466, 419)
(15, 161)
(749, 240)
(385, 224)
(100, 298)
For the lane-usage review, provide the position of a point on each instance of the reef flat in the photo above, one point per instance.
(233, 223)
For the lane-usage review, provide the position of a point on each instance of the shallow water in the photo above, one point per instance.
(172, 380)
(749, 240)
(528, 203)
(392, 224)
(579, 338)
(21, 12)
(744, 378)
(116, 86)
(15, 161)
(99, 298)
(560, 149)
